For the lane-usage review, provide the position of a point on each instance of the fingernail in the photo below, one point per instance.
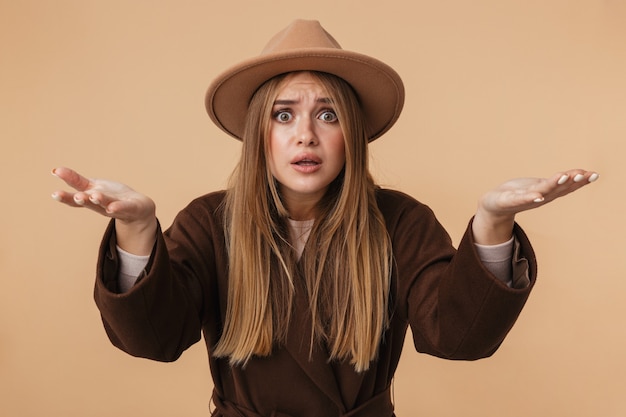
(54, 172)
(563, 179)
(538, 199)
(56, 197)
(79, 201)
(578, 177)
(593, 177)
(94, 200)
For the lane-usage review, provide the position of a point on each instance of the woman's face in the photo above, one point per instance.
(306, 146)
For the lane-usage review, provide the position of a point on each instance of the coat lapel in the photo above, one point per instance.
(315, 363)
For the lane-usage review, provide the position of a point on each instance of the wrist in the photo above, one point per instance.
(138, 236)
(492, 229)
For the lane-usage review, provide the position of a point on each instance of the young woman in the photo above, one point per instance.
(304, 275)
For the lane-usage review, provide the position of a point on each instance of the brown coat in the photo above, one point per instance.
(455, 307)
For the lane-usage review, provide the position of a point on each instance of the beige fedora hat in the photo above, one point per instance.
(305, 45)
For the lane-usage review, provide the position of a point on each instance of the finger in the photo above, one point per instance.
(99, 199)
(72, 178)
(564, 183)
(577, 176)
(102, 203)
(65, 198)
(514, 201)
(122, 209)
(561, 179)
(585, 177)
(78, 200)
(531, 199)
(106, 203)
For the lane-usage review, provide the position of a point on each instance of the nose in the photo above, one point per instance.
(306, 132)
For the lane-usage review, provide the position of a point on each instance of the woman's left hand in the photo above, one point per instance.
(497, 208)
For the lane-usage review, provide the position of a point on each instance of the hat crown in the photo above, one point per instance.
(300, 34)
(304, 45)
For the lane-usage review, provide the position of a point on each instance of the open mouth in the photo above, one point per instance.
(306, 162)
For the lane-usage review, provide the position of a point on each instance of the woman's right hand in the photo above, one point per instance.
(134, 212)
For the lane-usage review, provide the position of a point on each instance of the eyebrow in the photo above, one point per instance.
(291, 102)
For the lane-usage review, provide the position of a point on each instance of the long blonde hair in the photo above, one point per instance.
(346, 270)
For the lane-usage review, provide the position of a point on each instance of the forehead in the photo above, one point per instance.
(301, 83)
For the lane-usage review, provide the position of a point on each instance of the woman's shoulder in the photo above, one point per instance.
(212, 199)
(394, 199)
(397, 206)
(406, 216)
(207, 206)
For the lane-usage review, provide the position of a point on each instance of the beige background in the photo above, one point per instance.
(495, 89)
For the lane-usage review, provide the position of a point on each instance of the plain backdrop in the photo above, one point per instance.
(495, 90)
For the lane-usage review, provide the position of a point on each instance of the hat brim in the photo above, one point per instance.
(379, 88)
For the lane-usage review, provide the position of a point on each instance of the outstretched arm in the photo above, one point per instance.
(493, 222)
(134, 213)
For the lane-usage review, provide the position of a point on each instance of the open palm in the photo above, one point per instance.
(522, 194)
(108, 198)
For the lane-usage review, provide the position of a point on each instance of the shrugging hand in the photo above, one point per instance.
(497, 208)
(134, 213)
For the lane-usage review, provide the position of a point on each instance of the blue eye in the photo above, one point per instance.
(328, 116)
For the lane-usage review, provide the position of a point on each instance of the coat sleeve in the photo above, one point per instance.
(455, 307)
(163, 313)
